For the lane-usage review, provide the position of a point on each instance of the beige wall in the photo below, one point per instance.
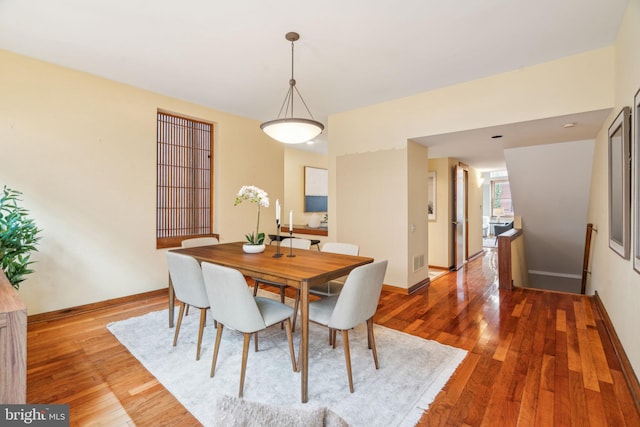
(418, 224)
(440, 229)
(294, 162)
(614, 278)
(82, 150)
(371, 208)
(372, 137)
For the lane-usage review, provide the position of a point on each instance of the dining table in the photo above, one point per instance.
(298, 268)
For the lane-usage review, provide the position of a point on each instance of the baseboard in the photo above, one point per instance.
(67, 312)
(407, 291)
(625, 365)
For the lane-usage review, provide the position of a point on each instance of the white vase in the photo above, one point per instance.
(252, 249)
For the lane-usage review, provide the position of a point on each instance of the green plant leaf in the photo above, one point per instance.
(18, 237)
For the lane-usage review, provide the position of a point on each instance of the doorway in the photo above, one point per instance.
(460, 235)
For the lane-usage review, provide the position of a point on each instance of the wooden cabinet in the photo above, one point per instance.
(13, 345)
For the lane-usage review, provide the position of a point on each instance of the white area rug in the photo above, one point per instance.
(412, 370)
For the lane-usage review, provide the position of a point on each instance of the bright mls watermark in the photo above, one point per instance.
(34, 415)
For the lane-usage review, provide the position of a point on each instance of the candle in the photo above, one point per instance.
(290, 221)
(277, 211)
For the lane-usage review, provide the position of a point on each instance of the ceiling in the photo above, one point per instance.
(232, 55)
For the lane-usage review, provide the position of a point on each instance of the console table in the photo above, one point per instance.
(300, 229)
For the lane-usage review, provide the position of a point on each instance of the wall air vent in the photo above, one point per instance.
(418, 262)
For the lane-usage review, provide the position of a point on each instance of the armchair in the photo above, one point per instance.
(501, 228)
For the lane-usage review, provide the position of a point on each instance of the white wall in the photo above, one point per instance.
(82, 150)
(613, 277)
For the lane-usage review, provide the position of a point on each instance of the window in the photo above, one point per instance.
(184, 180)
(501, 198)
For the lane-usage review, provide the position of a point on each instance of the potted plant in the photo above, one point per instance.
(18, 237)
(255, 241)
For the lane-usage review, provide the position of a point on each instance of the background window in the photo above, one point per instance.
(501, 199)
(184, 180)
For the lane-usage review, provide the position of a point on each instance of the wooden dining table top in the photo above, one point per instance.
(304, 270)
(310, 266)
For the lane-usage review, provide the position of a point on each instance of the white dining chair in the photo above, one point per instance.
(357, 303)
(333, 287)
(188, 284)
(284, 245)
(233, 306)
(199, 241)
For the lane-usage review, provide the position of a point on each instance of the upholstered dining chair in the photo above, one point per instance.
(188, 284)
(334, 286)
(284, 244)
(199, 241)
(357, 303)
(233, 306)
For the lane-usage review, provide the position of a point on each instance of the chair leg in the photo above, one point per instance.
(180, 314)
(296, 304)
(282, 301)
(186, 313)
(255, 287)
(372, 341)
(255, 341)
(243, 368)
(333, 337)
(215, 348)
(291, 349)
(203, 320)
(347, 357)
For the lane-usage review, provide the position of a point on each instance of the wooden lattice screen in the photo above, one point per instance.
(184, 191)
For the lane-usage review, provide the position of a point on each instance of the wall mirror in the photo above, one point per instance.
(619, 183)
(636, 180)
(316, 189)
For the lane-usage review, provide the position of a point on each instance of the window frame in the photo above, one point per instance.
(167, 223)
(493, 197)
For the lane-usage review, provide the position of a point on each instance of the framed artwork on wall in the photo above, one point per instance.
(620, 183)
(316, 189)
(636, 180)
(431, 196)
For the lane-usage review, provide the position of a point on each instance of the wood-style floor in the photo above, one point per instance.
(535, 358)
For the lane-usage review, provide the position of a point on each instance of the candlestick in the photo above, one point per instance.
(277, 254)
(291, 254)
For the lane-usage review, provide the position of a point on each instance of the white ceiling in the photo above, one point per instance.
(232, 55)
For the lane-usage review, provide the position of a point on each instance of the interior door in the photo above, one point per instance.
(460, 216)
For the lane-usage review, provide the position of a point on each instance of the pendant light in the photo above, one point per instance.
(289, 129)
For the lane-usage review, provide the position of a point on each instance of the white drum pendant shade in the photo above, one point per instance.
(292, 131)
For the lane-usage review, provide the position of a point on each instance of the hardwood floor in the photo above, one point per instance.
(535, 358)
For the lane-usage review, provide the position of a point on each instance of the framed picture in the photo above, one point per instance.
(316, 189)
(636, 180)
(431, 196)
(620, 183)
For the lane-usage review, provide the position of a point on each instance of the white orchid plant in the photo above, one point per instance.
(256, 195)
